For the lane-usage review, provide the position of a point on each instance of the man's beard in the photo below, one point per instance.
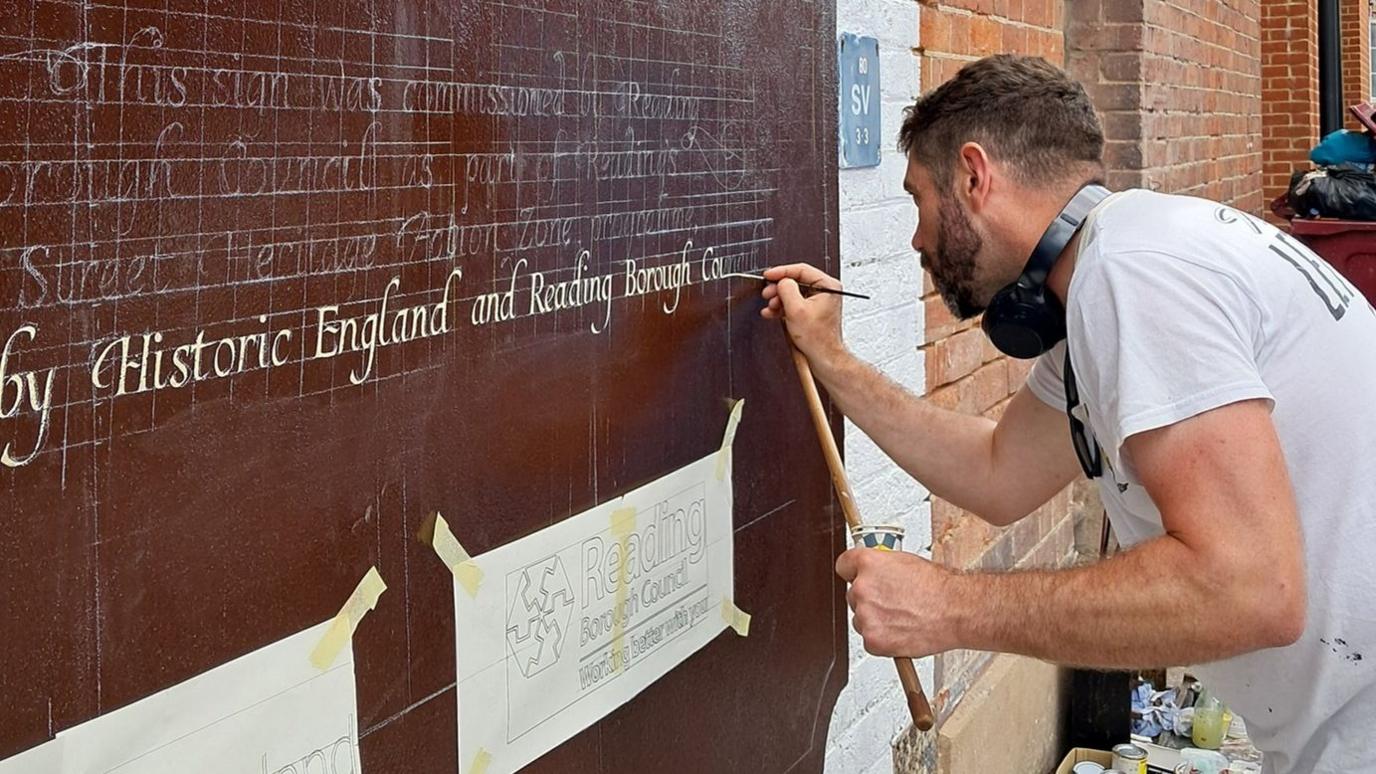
(953, 265)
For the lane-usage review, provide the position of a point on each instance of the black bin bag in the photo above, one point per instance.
(1347, 192)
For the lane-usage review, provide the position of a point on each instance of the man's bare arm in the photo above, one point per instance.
(1227, 577)
(1000, 471)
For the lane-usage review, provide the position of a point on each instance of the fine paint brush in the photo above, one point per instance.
(808, 289)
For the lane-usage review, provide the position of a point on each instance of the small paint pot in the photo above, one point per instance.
(1130, 758)
(885, 537)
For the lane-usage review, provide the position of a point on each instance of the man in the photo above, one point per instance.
(1227, 377)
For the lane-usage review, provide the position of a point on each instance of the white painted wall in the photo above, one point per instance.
(877, 219)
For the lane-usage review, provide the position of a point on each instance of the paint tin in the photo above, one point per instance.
(1130, 758)
(1087, 767)
(885, 537)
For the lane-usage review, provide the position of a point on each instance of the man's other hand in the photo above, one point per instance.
(899, 600)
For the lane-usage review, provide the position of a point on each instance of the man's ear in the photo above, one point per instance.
(974, 176)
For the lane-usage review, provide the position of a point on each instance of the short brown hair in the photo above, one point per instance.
(1025, 111)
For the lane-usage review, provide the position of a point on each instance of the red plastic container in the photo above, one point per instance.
(1349, 245)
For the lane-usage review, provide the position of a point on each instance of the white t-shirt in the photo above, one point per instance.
(1179, 305)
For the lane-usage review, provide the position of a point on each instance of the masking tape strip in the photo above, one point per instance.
(735, 617)
(729, 437)
(451, 552)
(623, 524)
(480, 762)
(342, 628)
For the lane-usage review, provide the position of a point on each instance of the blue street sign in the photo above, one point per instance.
(858, 66)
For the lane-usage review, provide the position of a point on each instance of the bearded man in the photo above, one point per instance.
(1213, 375)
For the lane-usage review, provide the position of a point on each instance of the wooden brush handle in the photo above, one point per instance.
(918, 706)
(828, 441)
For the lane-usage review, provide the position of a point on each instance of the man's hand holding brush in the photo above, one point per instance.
(813, 322)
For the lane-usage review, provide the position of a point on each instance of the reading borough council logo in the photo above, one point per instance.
(541, 610)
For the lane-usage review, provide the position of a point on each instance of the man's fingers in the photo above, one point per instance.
(848, 564)
(789, 294)
(879, 647)
(801, 272)
(776, 273)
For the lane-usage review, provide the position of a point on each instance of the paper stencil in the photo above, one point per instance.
(43, 759)
(578, 618)
(269, 712)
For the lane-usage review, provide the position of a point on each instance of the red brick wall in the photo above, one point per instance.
(1289, 90)
(954, 32)
(1355, 19)
(963, 370)
(1203, 81)
(1105, 41)
(1178, 85)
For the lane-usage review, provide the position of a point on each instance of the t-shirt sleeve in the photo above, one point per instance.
(1046, 380)
(1158, 338)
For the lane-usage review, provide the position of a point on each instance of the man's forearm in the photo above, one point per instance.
(949, 452)
(1156, 605)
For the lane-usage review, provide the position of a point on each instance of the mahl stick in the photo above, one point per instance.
(907, 674)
